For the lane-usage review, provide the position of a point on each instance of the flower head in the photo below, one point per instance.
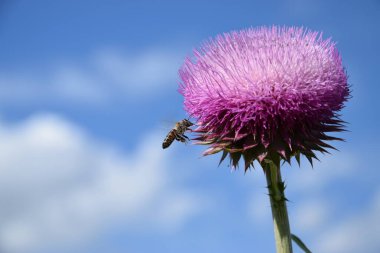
(265, 92)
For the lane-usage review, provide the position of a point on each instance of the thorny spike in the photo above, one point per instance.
(225, 153)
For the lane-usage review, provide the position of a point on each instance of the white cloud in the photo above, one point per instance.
(78, 84)
(147, 72)
(307, 180)
(104, 76)
(358, 233)
(316, 213)
(310, 215)
(259, 209)
(59, 186)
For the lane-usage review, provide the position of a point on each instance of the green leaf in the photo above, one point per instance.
(300, 244)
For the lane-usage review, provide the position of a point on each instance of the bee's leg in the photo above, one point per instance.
(180, 138)
(187, 138)
(184, 138)
(177, 137)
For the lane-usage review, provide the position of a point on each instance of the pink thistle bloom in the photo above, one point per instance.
(265, 92)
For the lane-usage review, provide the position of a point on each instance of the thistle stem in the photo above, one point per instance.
(278, 205)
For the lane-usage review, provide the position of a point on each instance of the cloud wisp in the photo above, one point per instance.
(357, 233)
(104, 76)
(59, 186)
(317, 216)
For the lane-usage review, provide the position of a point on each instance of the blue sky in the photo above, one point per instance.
(88, 91)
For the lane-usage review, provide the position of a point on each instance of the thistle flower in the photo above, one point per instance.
(265, 93)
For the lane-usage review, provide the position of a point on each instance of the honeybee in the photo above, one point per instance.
(178, 133)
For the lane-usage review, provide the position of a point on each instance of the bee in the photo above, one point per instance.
(178, 133)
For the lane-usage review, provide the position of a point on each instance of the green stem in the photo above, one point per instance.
(279, 212)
